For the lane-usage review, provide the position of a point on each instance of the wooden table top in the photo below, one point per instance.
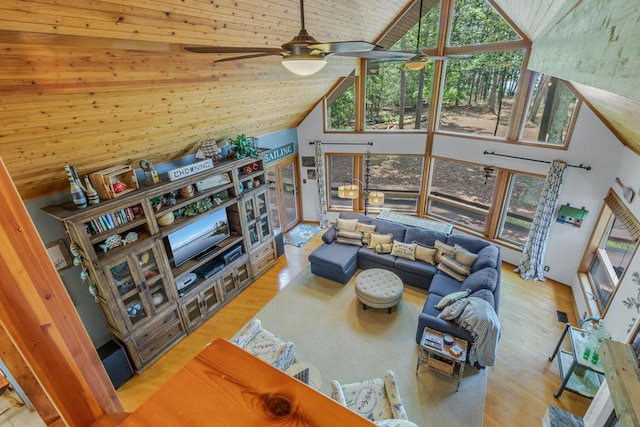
(226, 386)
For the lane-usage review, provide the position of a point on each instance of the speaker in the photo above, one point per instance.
(115, 361)
(279, 242)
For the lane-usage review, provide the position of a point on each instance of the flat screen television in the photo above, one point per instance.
(199, 237)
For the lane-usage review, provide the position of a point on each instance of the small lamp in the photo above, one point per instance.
(376, 198)
(349, 191)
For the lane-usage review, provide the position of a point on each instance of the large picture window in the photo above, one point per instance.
(550, 110)
(399, 178)
(341, 105)
(460, 193)
(611, 249)
(341, 172)
(522, 197)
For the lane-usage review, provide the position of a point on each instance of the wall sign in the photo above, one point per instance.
(279, 153)
(189, 170)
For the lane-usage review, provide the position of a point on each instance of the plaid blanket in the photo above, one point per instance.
(480, 319)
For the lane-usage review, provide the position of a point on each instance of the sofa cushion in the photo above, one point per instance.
(453, 268)
(486, 295)
(347, 224)
(462, 255)
(334, 256)
(487, 278)
(384, 260)
(451, 298)
(376, 239)
(353, 215)
(426, 254)
(444, 285)
(366, 230)
(329, 236)
(420, 268)
(404, 250)
(470, 243)
(443, 249)
(487, 257)
(348, 241)
(386, 227)
(423, 236)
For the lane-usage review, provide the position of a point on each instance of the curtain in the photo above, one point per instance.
(531, 266)
(320, 184)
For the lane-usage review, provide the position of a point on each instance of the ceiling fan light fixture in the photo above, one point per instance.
(415, 64)
(304, 65)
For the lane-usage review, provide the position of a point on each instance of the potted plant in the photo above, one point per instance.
(244, 148)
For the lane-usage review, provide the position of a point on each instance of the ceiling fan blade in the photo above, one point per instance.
(344, 46)
(232, 49)
(379, 55)
(255, 55)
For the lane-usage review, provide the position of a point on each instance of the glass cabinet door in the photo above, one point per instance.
(140, 285)
(130, 291)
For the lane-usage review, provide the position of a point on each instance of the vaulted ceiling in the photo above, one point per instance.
(106, 82)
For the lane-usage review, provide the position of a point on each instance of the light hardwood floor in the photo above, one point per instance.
(520, 386)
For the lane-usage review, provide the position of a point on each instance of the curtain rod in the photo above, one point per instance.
(342, 143)
(493, 153)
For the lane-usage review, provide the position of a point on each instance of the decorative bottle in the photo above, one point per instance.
(79, 199)
(92, 194)
(74, 172)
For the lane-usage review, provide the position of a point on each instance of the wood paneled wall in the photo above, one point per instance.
(101, 83)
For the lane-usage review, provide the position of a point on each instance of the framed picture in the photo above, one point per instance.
(308, 162)
(311, 174)
(59, 254)
(635, 344)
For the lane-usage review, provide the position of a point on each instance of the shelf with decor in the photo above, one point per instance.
(129, 253)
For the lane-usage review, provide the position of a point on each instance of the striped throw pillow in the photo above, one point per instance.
(454, 268)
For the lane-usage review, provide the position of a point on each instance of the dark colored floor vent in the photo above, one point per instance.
(562, 317)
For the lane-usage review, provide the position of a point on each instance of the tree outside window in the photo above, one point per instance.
(399, 178)
(523, 196)
(341, 172)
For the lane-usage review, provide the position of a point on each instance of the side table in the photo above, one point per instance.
(440, 357)
(577, 374)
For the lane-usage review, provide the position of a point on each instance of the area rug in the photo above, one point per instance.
(300, 234)
(332, 331)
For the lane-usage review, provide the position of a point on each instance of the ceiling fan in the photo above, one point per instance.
(302, 55)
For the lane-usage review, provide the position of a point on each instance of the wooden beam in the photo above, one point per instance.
(621, 369)
(41, 321)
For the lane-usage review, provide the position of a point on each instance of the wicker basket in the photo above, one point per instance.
(104, 179)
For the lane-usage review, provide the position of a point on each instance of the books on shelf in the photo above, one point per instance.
(108, 221)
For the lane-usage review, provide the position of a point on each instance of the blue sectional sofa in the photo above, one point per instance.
(337, 261)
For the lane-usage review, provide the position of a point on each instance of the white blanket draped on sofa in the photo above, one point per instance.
(480, 319)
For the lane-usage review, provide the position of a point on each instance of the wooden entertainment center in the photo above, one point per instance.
(136, 280)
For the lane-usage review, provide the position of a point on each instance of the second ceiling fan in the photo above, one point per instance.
(304, 55)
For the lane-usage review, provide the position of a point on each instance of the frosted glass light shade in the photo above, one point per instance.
(348, 191)
(305, 65)
(376, 198)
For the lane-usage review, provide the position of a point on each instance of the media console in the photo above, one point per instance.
(148, 302)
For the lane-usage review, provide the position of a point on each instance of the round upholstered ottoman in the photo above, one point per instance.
(378, 288)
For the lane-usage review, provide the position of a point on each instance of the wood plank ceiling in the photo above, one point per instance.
(106, 82)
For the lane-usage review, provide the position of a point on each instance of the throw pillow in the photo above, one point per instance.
(404, 250)
(451, 298)
(330, 235)
(347, 224)
(443, 249)
(379, 239)
(350, 234)
(464, 256)
(454, 310)
(453, 268)
(348, 241)
(425, 253)
(366, 230)
(384, 249)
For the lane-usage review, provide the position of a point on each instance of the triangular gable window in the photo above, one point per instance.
(477, 22)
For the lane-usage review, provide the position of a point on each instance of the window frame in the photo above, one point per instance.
(595, 250)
